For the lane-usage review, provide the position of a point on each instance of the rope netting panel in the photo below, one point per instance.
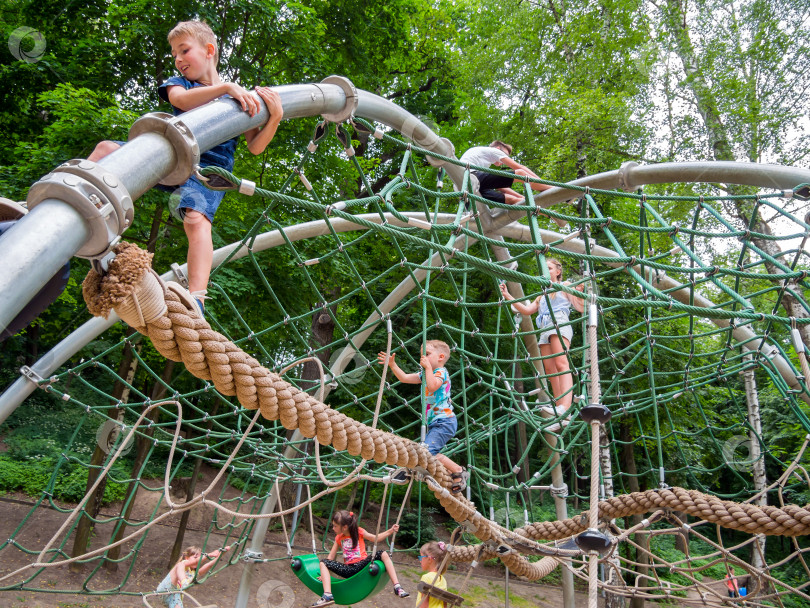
(686, 312)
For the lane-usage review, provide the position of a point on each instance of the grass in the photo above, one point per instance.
(493, 591)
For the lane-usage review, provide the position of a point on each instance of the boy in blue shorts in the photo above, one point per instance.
(441, 421)
(194, 48)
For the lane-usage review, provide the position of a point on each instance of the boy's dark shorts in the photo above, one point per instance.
(488, 185)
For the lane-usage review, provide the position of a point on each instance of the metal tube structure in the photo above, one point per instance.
(46, 239)
(21, 388)
(35, 248)
(632, 175)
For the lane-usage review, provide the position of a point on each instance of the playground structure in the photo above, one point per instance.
(439, 257)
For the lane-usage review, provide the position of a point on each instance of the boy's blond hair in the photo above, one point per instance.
(440, 347)
(499, 144)
(199, 30)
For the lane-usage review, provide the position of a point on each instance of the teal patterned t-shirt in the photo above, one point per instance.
(438, 405)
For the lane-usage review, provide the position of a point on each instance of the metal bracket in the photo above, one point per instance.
(11, 210)
(31, 375)
(559, 491)
(352, 98)
(96, 194)
(186, 148)
(179, 275)
(624, 182)
(252, 556)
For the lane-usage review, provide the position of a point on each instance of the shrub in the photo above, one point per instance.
(416, 527)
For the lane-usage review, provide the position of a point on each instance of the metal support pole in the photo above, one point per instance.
(561, 510)
(260, 529)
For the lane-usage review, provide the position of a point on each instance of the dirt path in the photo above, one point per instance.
(273, 585)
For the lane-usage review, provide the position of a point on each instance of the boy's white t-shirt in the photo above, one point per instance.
(483, 156)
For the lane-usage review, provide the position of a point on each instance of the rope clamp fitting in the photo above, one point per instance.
(96, 194)
(182, 140)
(30, 374)
(247, 187)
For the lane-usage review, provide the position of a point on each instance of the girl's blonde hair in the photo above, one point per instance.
(189, 552)
(437, 550)
(200, 31)
(559, 266)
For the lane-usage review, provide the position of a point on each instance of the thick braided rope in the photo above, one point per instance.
(790, 520)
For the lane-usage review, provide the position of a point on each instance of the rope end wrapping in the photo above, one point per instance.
(130, 286)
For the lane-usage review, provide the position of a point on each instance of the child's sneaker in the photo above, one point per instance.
(400, 592)
(459, 480)
(325, 600)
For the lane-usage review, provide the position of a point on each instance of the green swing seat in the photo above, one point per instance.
(346, 591)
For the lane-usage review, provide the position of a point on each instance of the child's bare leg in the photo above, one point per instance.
(102, 149)
(511, 197)
(389, 567)
(565, 382)
(528, 173)
(550, 365)
(449, 464)
(200, 249)
(326, 579)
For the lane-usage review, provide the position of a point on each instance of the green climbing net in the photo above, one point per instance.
(690, 305)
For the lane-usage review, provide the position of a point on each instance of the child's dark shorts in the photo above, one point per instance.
(488, 185)
(439, 433)
(347, 570)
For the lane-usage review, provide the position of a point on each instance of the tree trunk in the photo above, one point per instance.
(755, 454)
(522, 439)
(143, 445)
(127, 369)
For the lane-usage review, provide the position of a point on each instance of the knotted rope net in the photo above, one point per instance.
(682, 324)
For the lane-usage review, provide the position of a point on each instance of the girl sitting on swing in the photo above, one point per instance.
(350, 538)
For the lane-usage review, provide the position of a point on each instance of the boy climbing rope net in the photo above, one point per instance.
(196, 55)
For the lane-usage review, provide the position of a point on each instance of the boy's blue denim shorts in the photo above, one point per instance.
(193, 194)
(439, 432)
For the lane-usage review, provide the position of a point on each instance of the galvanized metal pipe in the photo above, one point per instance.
(33, 250)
